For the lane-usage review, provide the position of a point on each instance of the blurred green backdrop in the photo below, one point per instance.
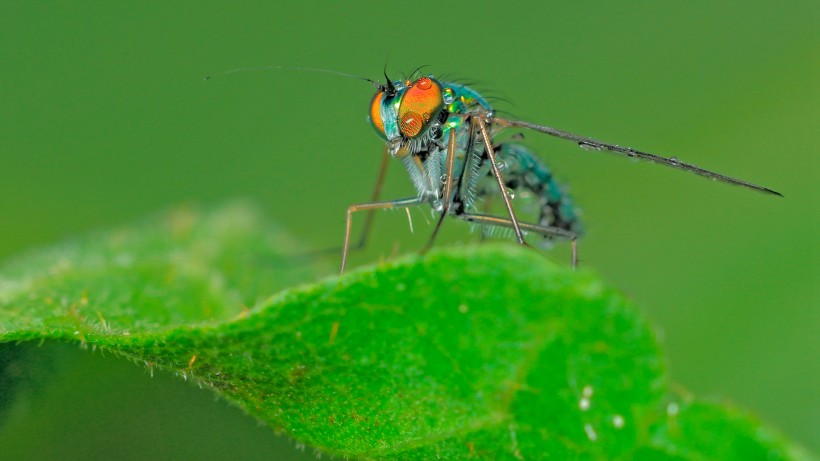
(105, 116)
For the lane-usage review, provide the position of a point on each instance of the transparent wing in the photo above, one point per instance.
(593, 144)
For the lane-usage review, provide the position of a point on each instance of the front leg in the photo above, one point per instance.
(413, 201)
(448, 188)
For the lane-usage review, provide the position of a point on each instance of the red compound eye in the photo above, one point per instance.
(420, 104)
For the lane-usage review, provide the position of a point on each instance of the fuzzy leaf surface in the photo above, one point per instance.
(469, 353)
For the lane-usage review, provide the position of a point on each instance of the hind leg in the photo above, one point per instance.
(545, 231)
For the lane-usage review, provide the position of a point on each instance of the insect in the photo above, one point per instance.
(444, 133)
(447, 137)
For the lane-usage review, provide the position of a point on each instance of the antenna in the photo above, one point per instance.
(297, 68)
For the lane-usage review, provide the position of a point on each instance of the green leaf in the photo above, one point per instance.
(700, 431)
(484, 353)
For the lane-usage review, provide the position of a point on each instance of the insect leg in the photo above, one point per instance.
(546, 231)
(377, 192)
(525, 170)
(371, 206)
(497, 173)
(371, 214)
(448, 188)
(594, 144)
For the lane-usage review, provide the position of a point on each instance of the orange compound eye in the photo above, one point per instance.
(376, 114)
(411, 124)
(419, 106)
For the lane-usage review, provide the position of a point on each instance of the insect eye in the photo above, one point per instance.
(420, 106)
(376, 114)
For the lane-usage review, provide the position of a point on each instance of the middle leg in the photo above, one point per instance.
(488, 147)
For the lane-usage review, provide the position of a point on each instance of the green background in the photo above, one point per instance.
(105, 116)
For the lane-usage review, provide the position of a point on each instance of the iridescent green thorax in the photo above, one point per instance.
(461, 99)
